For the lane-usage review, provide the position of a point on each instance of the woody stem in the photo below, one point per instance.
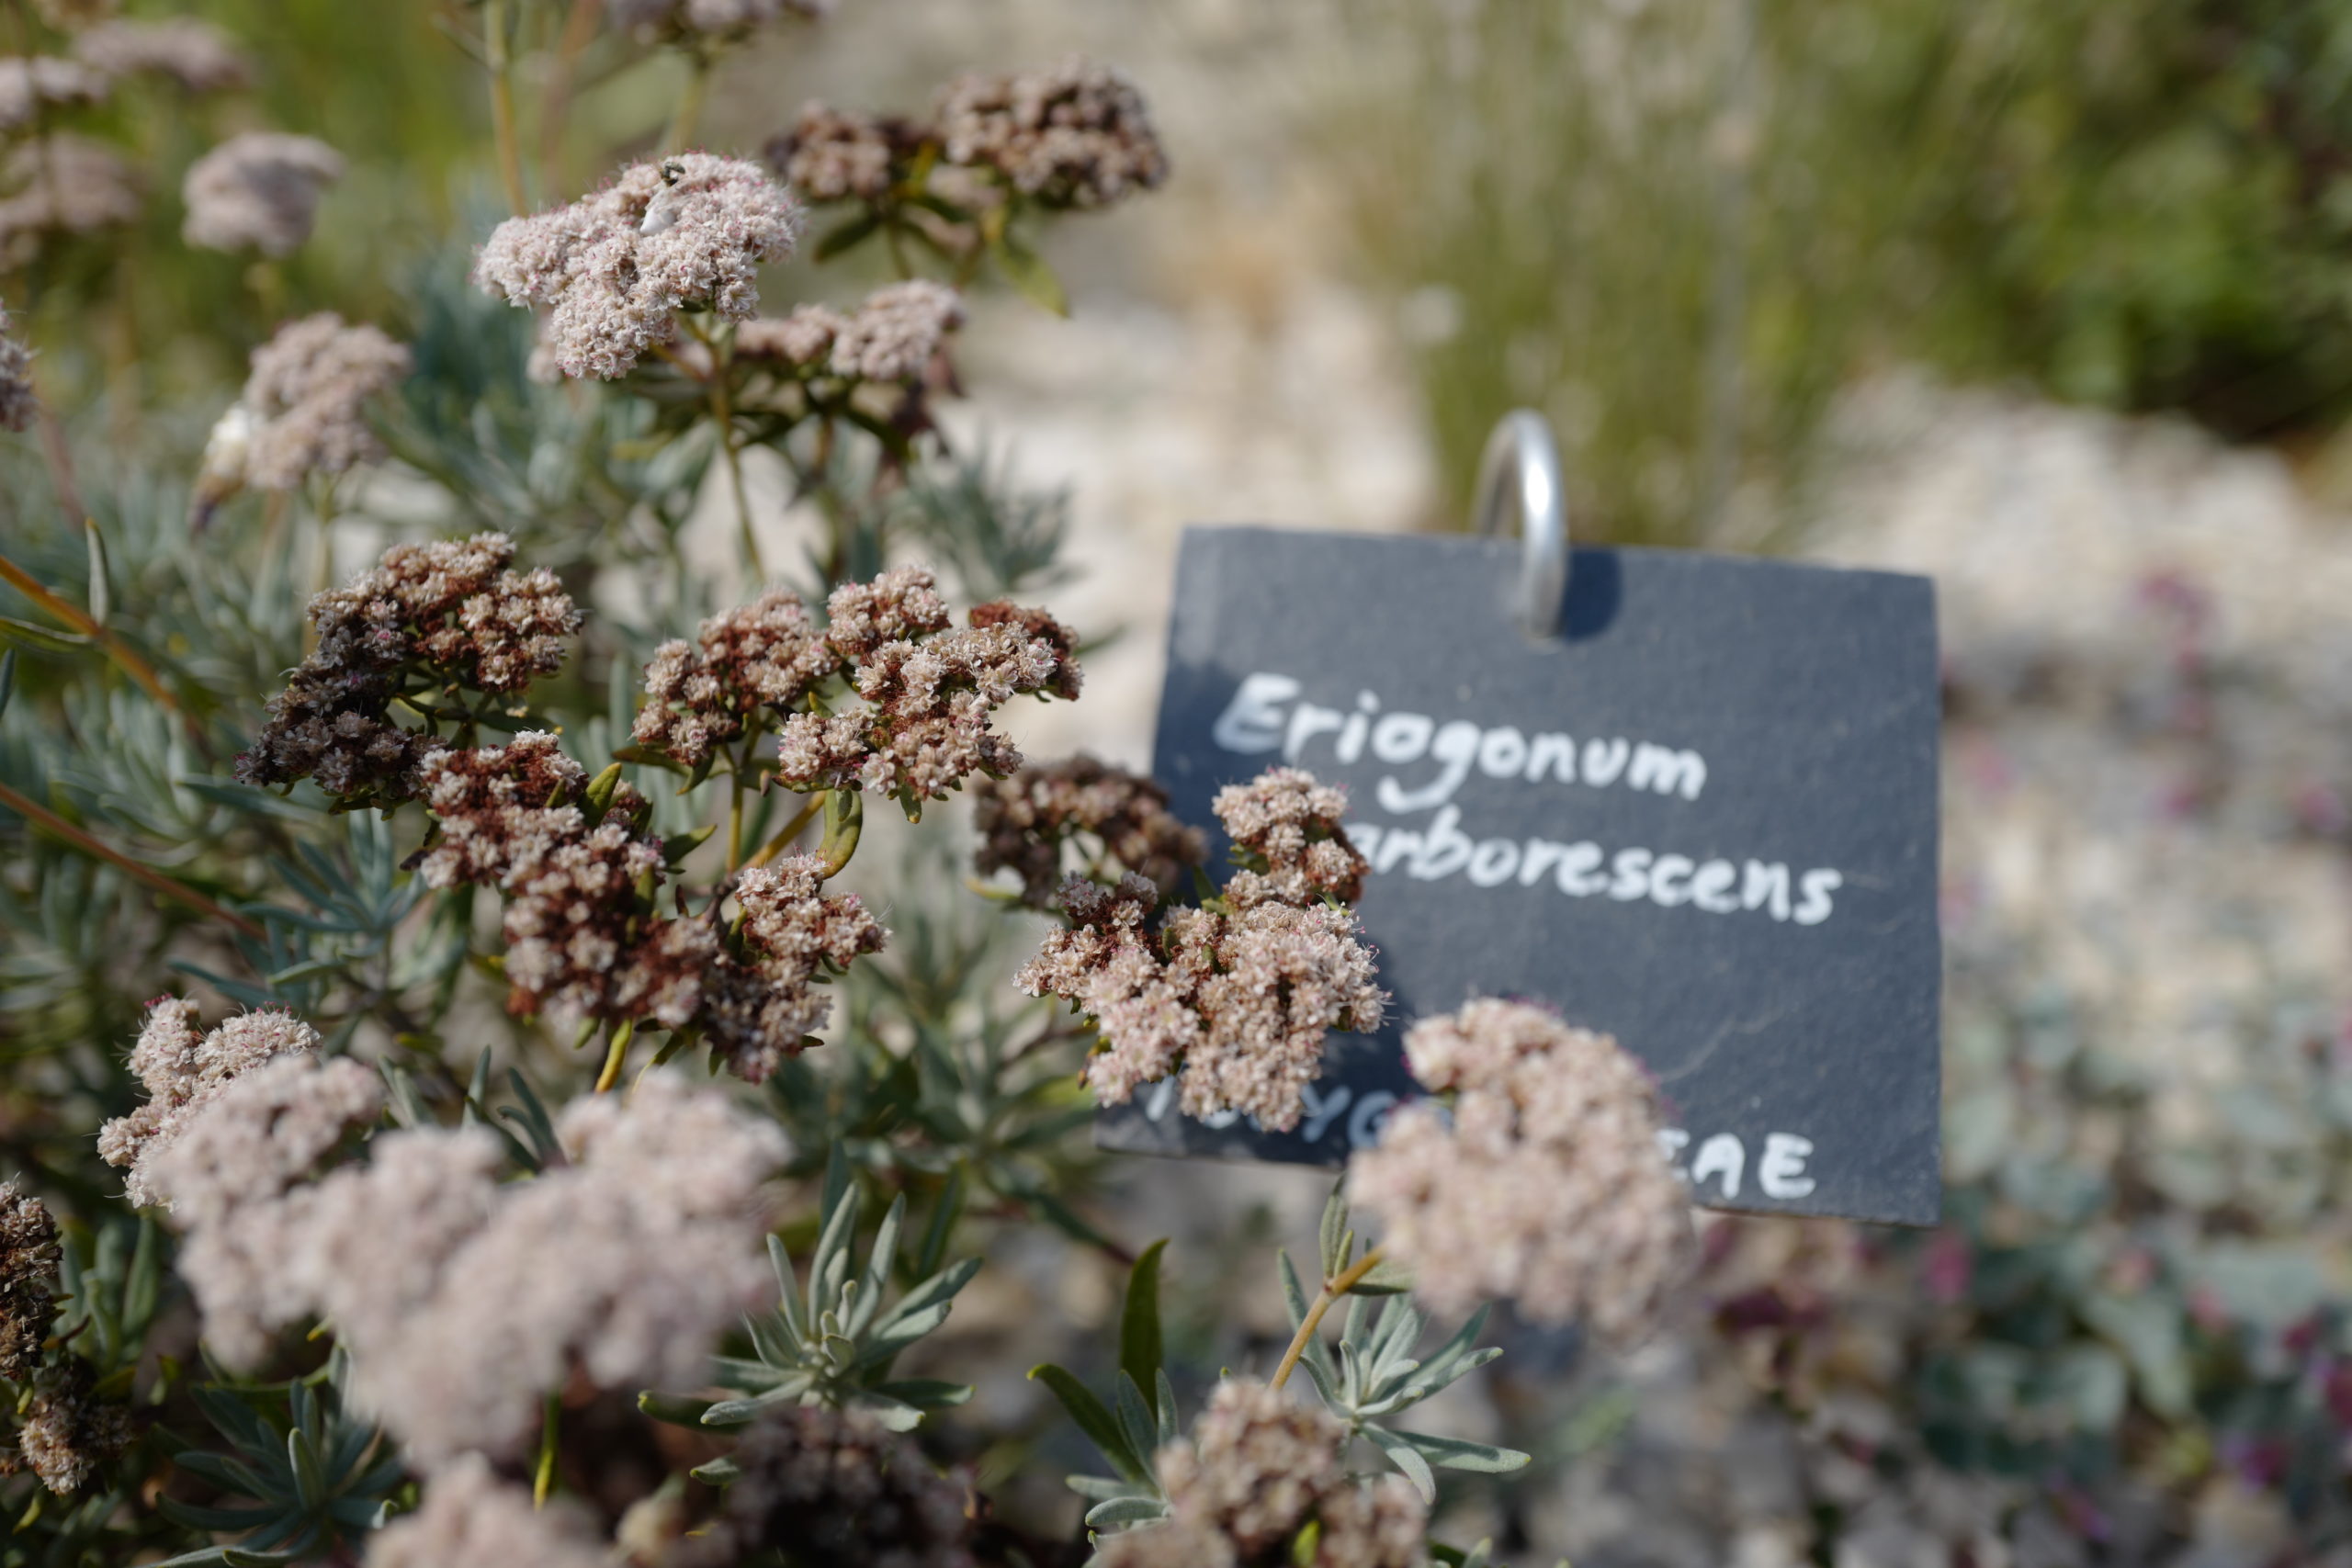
(1333, 1289)
(170, 887)
(502, 103)
(689, 111)
(789, 832)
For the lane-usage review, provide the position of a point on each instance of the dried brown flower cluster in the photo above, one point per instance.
(195, 55)
(1072, 135)
(584, 938)
(30, 84)
(66, 1430)
(64, 185)
(29, 1259)
(434, 616)
(1236, 996)
(258, 191)
(1254, 1472)
(760, 1008)
(469, 1519)
(184, 1069)
(1546, 1184)
(19, 404)
(685, 232)
(1024, 820)
(700, 23)
(302, 410)
(927, 689)
(765, 655)
(835, 1489)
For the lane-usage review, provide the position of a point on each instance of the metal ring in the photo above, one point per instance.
(1521, 472)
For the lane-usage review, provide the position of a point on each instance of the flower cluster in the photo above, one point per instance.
(701, 23)
(19, 404)
(469, 1519)
(64, 185)
(1072, 135)
(891, 338)
(835, 1489)
(66, 1431)
(1286, 828)
(1237, 995)
(1546, 1184)
(195, 55)
(258, 191)
(302, 410)
(29, 1259)
(834, 155)
(183, 1069)
(927, 689)
(1254, 1472)
(761, 1008)
(30, 84)
(706, 694)
(687, 232)
(1024, 821)
(448, 615)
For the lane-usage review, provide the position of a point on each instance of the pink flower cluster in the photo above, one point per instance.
(1546, 1184)
(1236, 996)
(1024, 821)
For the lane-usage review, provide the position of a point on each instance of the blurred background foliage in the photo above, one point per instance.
(1679, 226)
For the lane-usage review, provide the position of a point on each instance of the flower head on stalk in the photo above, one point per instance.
(258, 191)
(685, 232)
(1238, 996)
(1546, 1183)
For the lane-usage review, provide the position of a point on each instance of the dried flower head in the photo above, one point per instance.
(1072, 135)
(64, 185)
(302, 410)
(1547, 1186)
(28, 1260)
(29, 83)
(66, 1431)
(469, 1519)
(19, 404)
(761, 1009)
(193, 53)
(801, 342)
(763, 656)
(1236, 996)
(685, 232)
(835, 1489)
(1290, 825)
(1024, 820)
(463, 1302)
(258, 191)
(428, 617)
(704, 22)
(927, 689)
(184, 1070)
(834, 155)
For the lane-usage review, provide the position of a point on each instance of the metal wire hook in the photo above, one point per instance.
(1521, 472)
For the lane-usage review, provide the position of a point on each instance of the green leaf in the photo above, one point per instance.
(1331, 1234)
(927, 1393)
(1093, 1418)
(844, 235)
(1139, 1341)
(7, 680)
(1125, 1511)
(945, 1213)
(1386, 1278)
(101, 596)
(1028, 274)
(1406, 1459)
(718, 1472)
(1458, 1453)
(1136, 1424)
(676, 1409)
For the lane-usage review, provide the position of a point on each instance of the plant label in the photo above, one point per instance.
(1700, 818)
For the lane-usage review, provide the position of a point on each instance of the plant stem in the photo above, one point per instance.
(688, 115)
(543, 1482)
(578, 32)
(617, 1054)
(502, 103)
(170, 887)
(1332, 1291)
(137, 668)
(722, 408)
(789, 832)
(734, 816)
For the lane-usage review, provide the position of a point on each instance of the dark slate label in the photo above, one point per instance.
(1701, 819)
